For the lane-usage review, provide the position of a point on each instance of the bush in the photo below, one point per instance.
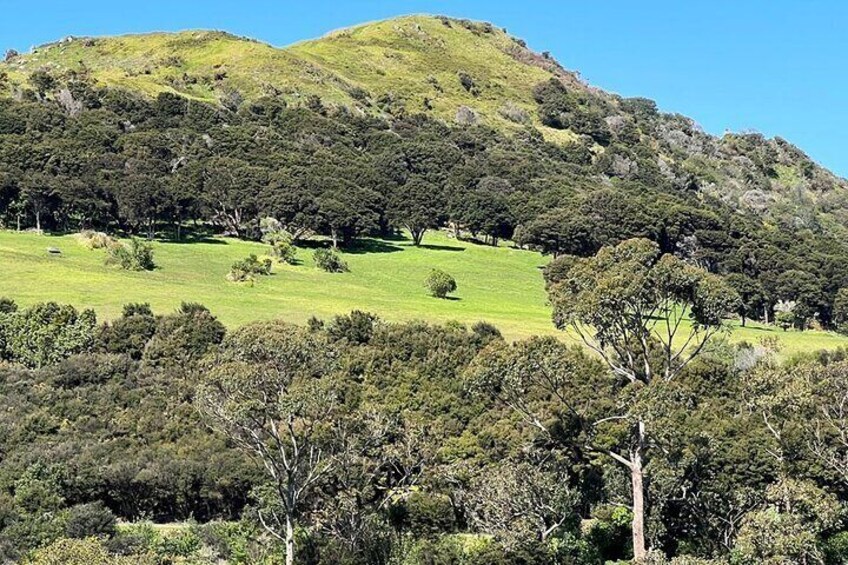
(515, 113)
(248, 269)
(440, 283)
(7, 306)
(82, 552)
(90, 520)
(280, 240)
(357, 327)
(284, 251)
(137, 256)
(329, 260)
(95, 239)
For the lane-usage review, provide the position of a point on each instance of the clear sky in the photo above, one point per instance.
(775, 66)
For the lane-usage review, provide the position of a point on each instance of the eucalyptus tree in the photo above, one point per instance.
(646, 316)
(270, 391)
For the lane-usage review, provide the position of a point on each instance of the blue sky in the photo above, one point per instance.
(773, 66)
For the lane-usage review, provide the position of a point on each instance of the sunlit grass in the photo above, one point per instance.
(501, 285)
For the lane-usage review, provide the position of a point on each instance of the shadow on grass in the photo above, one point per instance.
(188, 237)
(434, 247)
(395, 237)
(362, 246)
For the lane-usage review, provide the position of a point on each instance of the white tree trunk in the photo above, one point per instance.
(637, 482)
(289, 541)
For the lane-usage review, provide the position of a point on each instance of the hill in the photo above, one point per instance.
(503, 286)
(414, 124)
(456, 70)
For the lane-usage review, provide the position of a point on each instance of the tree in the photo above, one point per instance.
(230, 190)
(440, 283)
(559, 232)
(518, 502)
(346, 211)
(840, 311)
(629, 304)
(417, 206)
(270, 391)
(751, 297)
(38, 192)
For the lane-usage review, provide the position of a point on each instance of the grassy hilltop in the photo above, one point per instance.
(414, 60)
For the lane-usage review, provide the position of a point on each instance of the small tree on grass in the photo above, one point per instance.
(280, 240)
(440, 284)
(329, 260)
(246, 270)
(785, 314)
(135, 256)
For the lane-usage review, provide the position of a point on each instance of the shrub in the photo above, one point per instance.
(246, 270)
(130, 333)
(440, 283)
(82, 552)
(357, 327)
(135, 256)
(45, 334)
(284, 251)
(486, 331)
(95, 239)
(329, 260)
(280, 240)
(7, 305)
(90, 520)
(515, 113)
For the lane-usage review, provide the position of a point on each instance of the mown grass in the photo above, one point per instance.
(501, 285)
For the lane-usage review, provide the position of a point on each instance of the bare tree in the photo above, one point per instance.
(269, 391)
(517, 501)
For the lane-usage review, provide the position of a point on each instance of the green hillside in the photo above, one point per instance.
(373, 67)
(501, 285)
(440, 67)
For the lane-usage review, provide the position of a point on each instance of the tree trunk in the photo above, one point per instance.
(636, 478)
(417, 237)
(289, 541)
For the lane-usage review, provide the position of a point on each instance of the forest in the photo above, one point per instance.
(354, 440)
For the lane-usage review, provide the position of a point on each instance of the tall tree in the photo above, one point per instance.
(270, 392)
(647, 316)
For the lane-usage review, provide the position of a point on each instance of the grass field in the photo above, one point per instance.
(501, 285)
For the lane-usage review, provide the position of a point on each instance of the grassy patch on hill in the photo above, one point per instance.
(413, 61)
(501, 285)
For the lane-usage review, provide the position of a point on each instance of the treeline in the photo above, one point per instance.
(74, 156)
(354, 440)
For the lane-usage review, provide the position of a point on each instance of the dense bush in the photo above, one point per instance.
(45, 334)
(135, 256)
(329, 260)
(89, 520)
(440, 284)
(246, 270)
